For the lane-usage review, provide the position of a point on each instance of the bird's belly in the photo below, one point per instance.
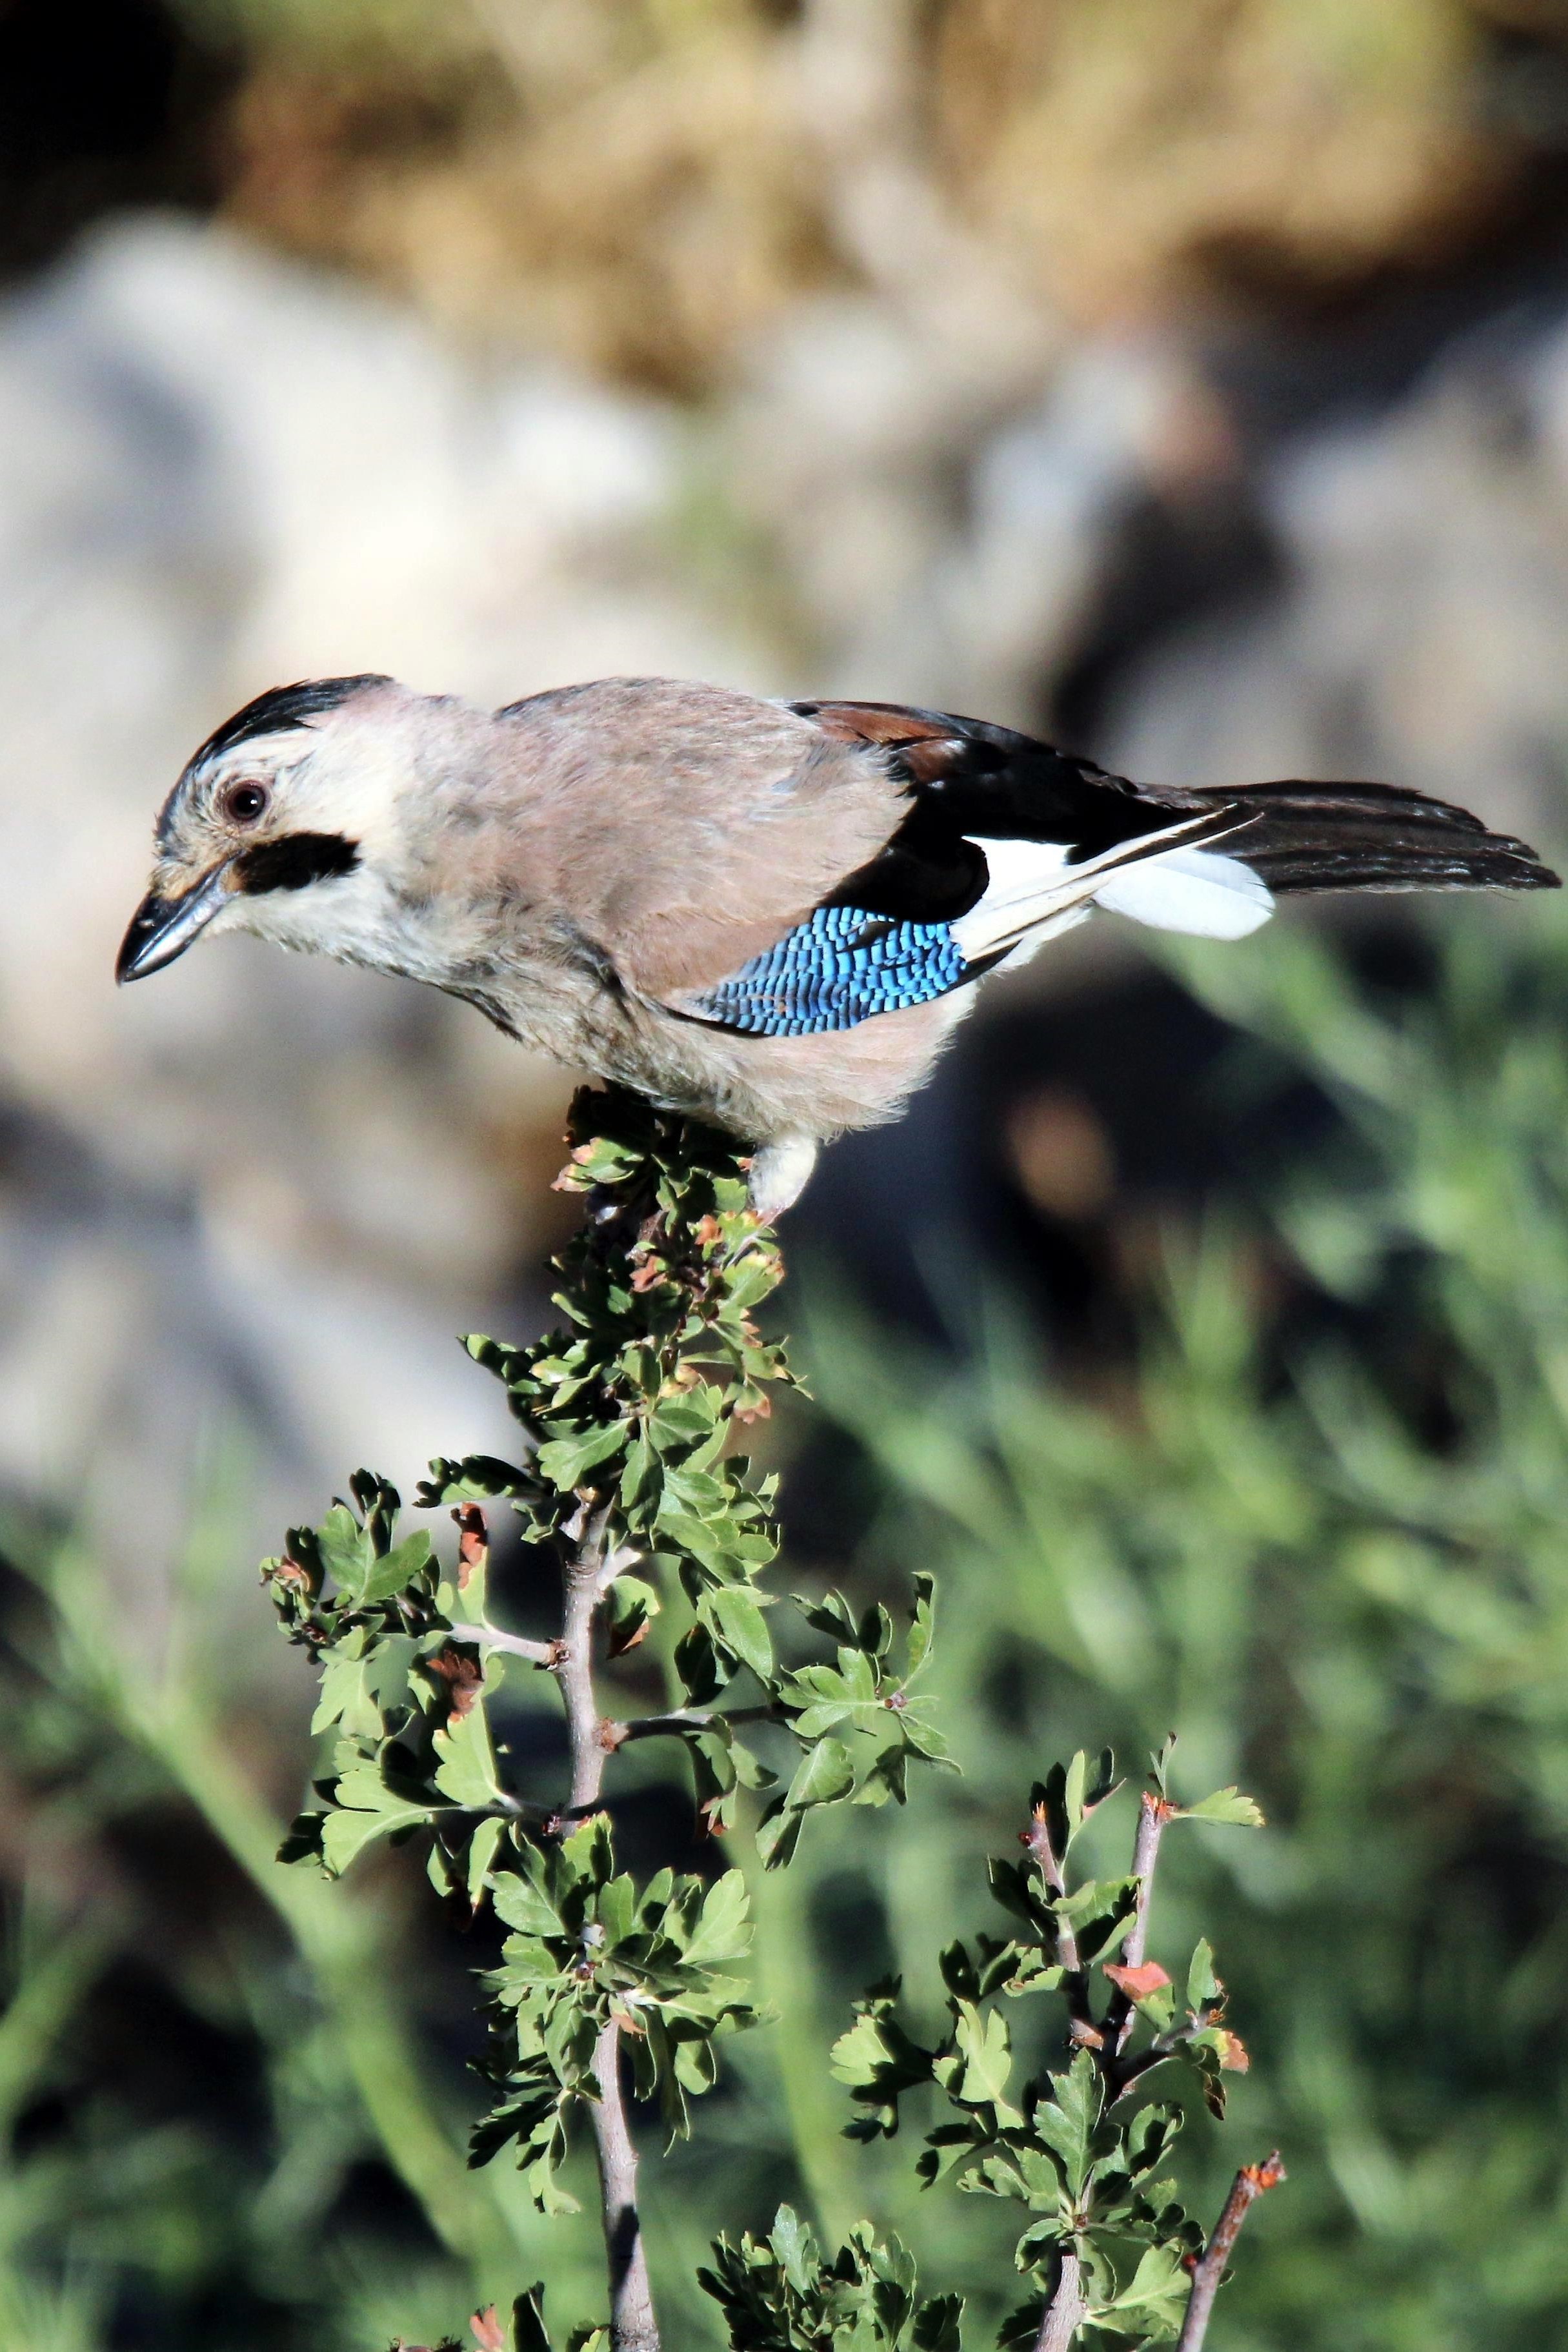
(765, 1088)
(756, 1088)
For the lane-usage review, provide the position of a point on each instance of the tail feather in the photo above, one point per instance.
(1308, 836)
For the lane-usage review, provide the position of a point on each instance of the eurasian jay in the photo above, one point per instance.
(770, 914)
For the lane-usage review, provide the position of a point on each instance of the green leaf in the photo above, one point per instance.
(1226, 1805)
(345, 1834)
(521, 1901)
(986, 2048)
(345, 1550)
(697, 1664)
(588, 1854)
(1100, 1912)
(1202, 1985)
(346, 1697)
(566, 1461)
(738, 1622)
(1084, 1790)
(858, 2056)
(1067, 2123)
(1153, 2302)
(1017, 1890)
(778, 1835)
(528, 2331)
(922, 1626)
(724, 1930)
(483, 1848)
(617, 1910)
(465, 1767)
(825, 1773)
(397, 1568)
(922, 1741)
(796, 2248)
(886, 1776)
(938, 2324)
(831, 1615)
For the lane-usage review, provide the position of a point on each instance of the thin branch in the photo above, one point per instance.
(589, 1572)
(516, 1645)
(1036, 1839)
(574, 1665)
(1250, 2184)
(676, 1726)
(1154, 1813)
(1065, 2313)
(632, 2327)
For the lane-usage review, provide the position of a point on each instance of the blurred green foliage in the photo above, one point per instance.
(1320, 1524)
(1341, 1566)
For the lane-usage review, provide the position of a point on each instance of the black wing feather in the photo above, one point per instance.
(966, 778)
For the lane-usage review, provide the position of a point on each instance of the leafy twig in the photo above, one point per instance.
(1106, 2244)
(626, 1472)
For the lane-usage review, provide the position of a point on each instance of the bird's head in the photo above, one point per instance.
(286, 823)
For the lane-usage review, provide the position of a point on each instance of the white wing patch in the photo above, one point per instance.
(1196, 890)
(1034, 894)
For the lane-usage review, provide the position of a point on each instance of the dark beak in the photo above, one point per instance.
(162, 928)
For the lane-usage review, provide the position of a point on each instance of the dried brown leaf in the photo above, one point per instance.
(473, 1542)
(1139, 1982)
(462, 1676)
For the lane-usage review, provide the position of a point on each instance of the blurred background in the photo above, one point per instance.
(1186, 380)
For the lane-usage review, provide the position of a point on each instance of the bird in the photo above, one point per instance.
(769, 914)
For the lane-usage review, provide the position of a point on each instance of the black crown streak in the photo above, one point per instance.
(283, 707)
(294, 862)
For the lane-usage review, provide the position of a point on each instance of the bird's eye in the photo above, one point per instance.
(244, 803)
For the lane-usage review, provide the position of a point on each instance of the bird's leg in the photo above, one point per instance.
(780, 1174)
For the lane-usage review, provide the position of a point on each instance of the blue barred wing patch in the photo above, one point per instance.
(838, 969)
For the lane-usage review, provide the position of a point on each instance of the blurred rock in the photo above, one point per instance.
(1416, 629)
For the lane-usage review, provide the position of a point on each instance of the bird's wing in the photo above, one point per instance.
(670, 830)
(997, 783)
(996, 844)
(1004, 842)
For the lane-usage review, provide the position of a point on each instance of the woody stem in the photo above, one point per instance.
(1064, 2313)
(633, 2325)
(1247, 2186)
